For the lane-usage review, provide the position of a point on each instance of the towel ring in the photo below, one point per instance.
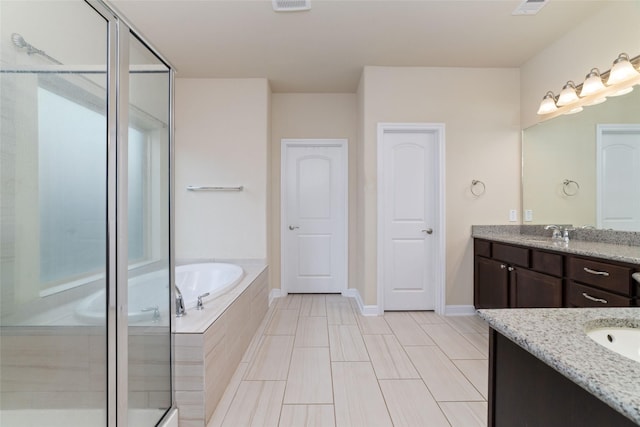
(477, 187)
(566, 184)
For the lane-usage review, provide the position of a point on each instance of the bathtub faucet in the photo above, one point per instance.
(180, 311)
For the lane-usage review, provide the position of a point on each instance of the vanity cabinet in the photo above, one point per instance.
(508, 276)
(515, 276)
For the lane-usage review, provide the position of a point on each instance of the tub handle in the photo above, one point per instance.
(200, 306)
(156, 312)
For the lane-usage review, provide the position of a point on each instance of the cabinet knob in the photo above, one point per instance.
(511, 269)
(502, 266)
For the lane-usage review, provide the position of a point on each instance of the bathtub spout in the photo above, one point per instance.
(180, 311)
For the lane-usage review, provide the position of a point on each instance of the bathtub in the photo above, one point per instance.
(145, 297)
(214, 278)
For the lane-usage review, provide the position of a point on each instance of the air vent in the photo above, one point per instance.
(529, 7)
(291, 5)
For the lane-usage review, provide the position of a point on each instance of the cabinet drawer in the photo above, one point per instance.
(547, 263)
(603, 275)
(585, 296)
(482, 248)
(511, 254)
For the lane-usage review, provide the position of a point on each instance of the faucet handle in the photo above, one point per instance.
(200, 305)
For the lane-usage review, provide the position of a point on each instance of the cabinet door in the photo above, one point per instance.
(491, 288)
(529, 289)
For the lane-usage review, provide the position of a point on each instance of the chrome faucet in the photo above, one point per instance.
(557, 235)
(200, 305)
(180, 310)
(565, 233)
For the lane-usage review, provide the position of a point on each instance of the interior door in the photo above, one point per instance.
(618, 166)
(409, 212)
(314, 216)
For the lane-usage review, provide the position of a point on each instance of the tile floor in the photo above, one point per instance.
(316, 362)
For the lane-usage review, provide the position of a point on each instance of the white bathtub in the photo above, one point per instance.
(213, 277)
(152, 290)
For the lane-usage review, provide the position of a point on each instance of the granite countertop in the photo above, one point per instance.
(557, 336)
(623, 251)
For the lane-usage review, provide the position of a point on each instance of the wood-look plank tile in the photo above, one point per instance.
(346, 344)
(307, 416)
(410, 404)
(441, 376)
(476, 371)
(283, 322)
(465, 414)
(272, 359)
(309, 380)
(425, 317)
(389, 359)
(338, 298)
(256, 403)
(312, 332)
(289, 302)
(406, 329)
(358, 399)
(452, 343)
(479, 341)
(227, 397)
(313, 305)
(340, 313)
(464, 324)
(372, 325)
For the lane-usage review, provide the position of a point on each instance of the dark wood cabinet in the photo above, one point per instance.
(513, 276)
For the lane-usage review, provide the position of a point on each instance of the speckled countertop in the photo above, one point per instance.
(610, 245)
(557, 336)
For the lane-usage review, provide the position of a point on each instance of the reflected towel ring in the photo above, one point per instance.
(566, 184)
(476, 190)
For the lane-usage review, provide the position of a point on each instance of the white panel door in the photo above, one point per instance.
(409, 213)
(618, 158)
(314, 218)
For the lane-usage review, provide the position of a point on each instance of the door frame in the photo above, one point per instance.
(285, 144)
(601, 130)
(440, 256)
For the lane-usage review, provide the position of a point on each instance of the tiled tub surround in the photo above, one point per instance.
(622, 246)
(210, 343)
(558, 338)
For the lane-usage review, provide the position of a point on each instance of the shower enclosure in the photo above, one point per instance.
(85, 219)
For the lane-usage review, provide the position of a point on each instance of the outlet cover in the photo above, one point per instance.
(528, 215)
(513, 215)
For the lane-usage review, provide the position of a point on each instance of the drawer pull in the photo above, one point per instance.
(589, 297)
(510, 268)
(597, 273)
(502, 266)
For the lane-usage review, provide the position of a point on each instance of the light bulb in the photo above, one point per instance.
(622, 70)
(548, 104)
(568, 94)
(592, 83)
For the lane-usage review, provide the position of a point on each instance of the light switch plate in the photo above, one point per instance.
(528, 215)
(513, 215)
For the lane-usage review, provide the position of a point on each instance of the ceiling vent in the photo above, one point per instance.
(529, 7)
(291, 5)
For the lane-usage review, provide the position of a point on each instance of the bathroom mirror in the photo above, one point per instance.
(559, 167)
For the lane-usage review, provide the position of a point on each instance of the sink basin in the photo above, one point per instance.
(624, 341)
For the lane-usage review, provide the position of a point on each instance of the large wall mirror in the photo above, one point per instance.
(584, 168)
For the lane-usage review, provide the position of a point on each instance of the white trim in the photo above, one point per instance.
(365, 310)
(459, 310)
(342, 143)
(440, 261)
(276, 293)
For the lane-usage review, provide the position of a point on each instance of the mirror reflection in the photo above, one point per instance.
(584, 169)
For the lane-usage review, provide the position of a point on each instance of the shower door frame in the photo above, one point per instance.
(119, 34)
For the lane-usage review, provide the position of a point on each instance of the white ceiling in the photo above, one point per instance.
(325, 49)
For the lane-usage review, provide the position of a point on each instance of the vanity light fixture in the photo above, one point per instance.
(620, 79)
(568, 94)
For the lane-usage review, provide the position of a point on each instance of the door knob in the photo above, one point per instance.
(293, 227)
(428, 231)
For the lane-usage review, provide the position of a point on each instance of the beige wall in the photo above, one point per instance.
(302, 115)
(221, 140)
(594, 43)
(480, 109)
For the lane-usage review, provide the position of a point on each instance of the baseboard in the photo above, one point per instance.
(275, 293)
(459, 310)
(365, 310)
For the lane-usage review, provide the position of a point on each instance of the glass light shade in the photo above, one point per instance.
(548, 104)
(622, 70)
(596, 101)
(574, 110)
(622, 92)
(568, 94)
(592, 83)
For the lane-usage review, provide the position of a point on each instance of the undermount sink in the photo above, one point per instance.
(624, 341)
